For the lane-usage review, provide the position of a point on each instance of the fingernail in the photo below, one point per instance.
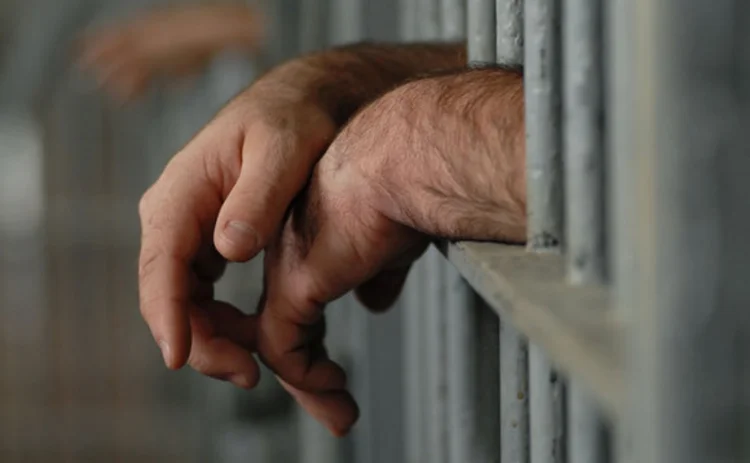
(165, 352)
(240, 380)
(241, 234)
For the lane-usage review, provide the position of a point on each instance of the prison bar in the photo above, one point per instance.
(514, 359)
(584, 195)
(555, 294)
(545, 193)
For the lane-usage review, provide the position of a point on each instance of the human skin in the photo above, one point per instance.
(225, 196)
(172, 43)
(439, 157)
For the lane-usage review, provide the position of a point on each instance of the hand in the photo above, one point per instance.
(231, 186)
(221, 198)
(173, 43)
(229, 190)
(356, 225)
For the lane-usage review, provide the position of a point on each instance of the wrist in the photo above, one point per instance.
(427, 165)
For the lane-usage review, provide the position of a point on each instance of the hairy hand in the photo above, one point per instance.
(173, 43)
(225, 195)
(221, 198)
(401, 172)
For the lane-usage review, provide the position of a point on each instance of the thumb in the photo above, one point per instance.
(276, 163)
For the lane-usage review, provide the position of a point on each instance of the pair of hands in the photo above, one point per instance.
(335, 209)
(225, 197)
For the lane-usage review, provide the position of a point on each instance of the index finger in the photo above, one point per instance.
(177, 215)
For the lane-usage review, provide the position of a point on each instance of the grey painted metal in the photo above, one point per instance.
(488, 381)
(547, 409)
(584, 193)
(584, 140)
(408, 19)
(690, 333)
(346, 23)
(588, 439)
(544, 203)
(414, 366)
(313, 30)
(514, 395)
(316, 445)
(453, 19)
(622, 203)
(428, 19)
(436, 363)
(543, 140)
(514, 392)
(413, 323)
(481, 40)
(466, 342)
(462, 351)
(473, 377)
(509, 20)
(571, 323)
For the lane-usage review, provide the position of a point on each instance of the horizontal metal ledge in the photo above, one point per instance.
(573, 324)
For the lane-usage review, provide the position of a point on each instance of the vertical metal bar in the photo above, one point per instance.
(436, 449)
(584, 146)
(313, 31)
(689, 338)
(514, 396)
(453, 19)
(462, 342)
(514, 377)
(584, 193)
(346, 21)
(408, 19)
(587, 435)
(546, 408)
(545, 200)
(428, 19)
(414, 366)
(436, 389)
(543, 144)
(620, 70)
(413, 330)
(469, 342)
(481, 31)
(509, 19)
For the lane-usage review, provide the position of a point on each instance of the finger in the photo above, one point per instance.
(295, 353)
(214, 353)
(337, 410)
(173, 213)
(233, 324)
(276, 163)
(380, 293)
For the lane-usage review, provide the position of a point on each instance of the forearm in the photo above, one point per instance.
(454, 151)
(342, 80)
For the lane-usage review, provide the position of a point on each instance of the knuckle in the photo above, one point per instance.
(144, 205)
(146, 264)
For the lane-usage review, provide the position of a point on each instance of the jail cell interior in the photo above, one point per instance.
(617, 334)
